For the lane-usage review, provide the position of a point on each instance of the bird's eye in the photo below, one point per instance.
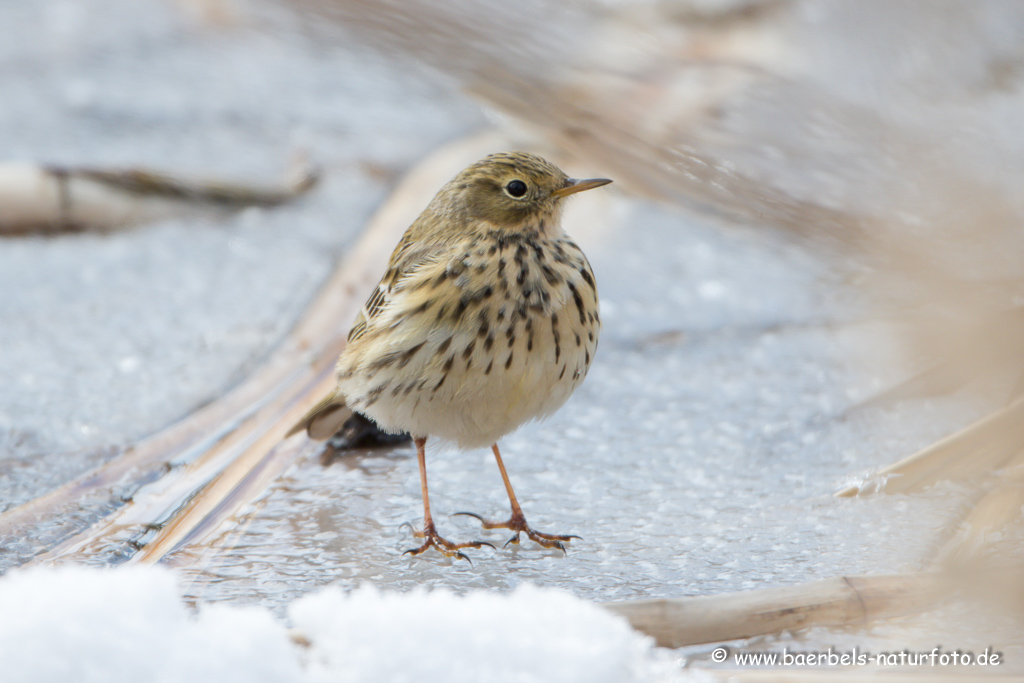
(516, 188)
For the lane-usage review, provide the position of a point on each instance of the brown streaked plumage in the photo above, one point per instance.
(486, 318)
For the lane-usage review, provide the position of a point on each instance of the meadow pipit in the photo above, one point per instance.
(486, 318)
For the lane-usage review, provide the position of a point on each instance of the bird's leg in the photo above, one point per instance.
(429, 533)
(517, 522)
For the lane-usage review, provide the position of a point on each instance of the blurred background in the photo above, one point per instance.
(810, 266)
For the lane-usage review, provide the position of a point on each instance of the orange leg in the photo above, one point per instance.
(517, 522)
(429, 534)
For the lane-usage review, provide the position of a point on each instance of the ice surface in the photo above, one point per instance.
(130, 624)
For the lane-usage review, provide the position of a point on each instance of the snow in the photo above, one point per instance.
(130, 624)
(80, 624)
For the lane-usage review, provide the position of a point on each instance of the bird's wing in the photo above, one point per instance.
(407, 259)
(329, 415)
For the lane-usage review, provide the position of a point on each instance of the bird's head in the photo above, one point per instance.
(514, 192)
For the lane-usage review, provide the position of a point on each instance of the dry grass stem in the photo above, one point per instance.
(38, 199)
(842, 601)
(988, 519)
(981, 447)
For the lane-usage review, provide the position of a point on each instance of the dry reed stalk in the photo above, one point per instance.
(983, 446)
(990, 516)
(40, 199)
(840, 601)
(183, 442)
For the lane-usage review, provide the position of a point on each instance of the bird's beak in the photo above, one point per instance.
(573, 186)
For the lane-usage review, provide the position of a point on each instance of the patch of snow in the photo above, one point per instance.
(130, 624)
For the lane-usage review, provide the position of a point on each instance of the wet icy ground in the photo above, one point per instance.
(698, 457)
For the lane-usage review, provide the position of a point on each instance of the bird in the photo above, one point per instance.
(486, 318)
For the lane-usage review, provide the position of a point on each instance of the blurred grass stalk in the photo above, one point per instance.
(47, 199)
(839, 601)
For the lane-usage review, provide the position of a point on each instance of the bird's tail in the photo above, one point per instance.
(324, 419)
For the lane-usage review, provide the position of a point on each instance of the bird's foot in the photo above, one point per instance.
(433, 540)
(517, 523)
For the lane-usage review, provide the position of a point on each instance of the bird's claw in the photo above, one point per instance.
(517, 523)
(433, 540)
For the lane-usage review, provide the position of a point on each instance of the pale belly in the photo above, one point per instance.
(506, 359)
(475, 408)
